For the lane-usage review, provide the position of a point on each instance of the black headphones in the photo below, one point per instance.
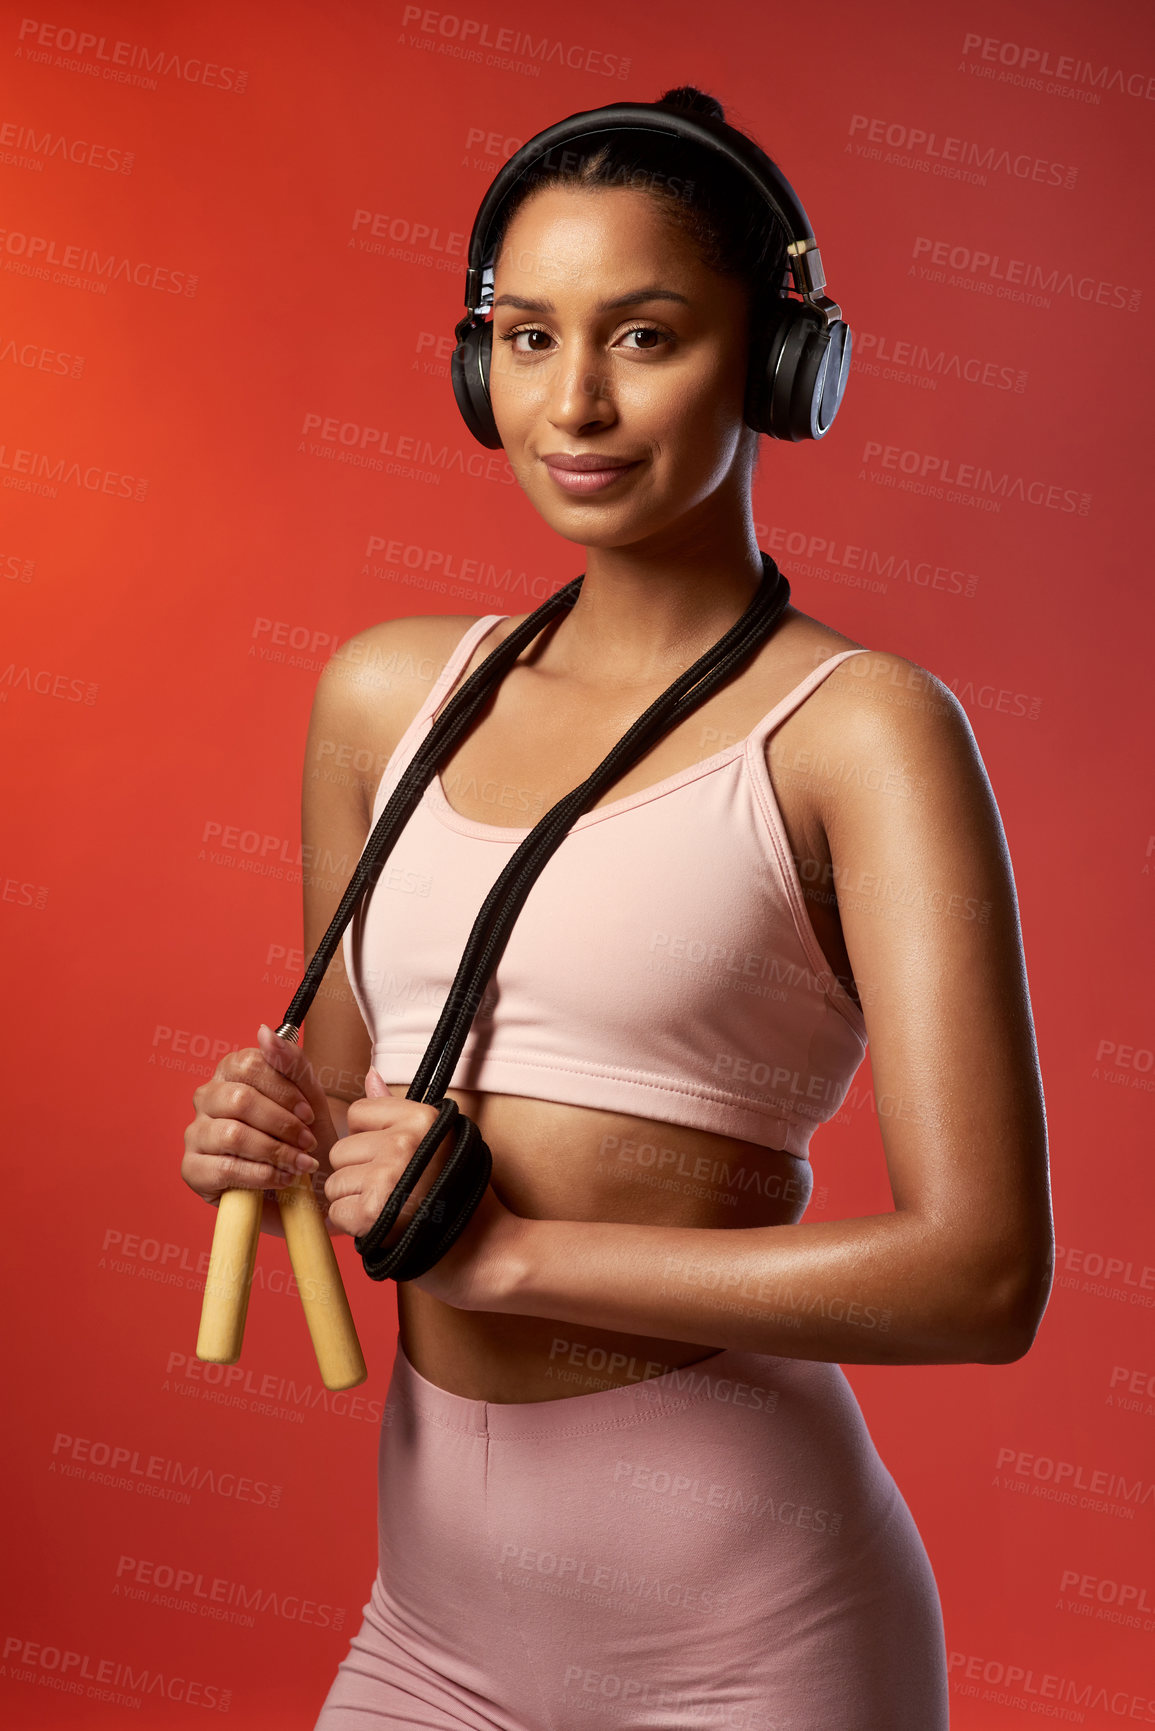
(798, 366)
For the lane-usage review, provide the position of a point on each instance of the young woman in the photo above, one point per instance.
(622, 1473)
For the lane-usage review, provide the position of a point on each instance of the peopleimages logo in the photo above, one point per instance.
(507, 49)
(358, 443)
(158, 1476)
(950, 158)
(60, 1668)
(1018, 279)
(905, 361)
(1029, 1690)
(103, 57)
(44, 473)
(942, 477)
(1065, 1478)
(25, 147)
(1032, 66)
(36, 252)
(225, 1600)
(45, 682)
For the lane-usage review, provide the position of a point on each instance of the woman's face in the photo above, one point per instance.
(656, 379)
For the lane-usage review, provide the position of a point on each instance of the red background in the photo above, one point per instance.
(171, 595)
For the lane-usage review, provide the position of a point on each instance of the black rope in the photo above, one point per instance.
(457, 1189)
(502, 905)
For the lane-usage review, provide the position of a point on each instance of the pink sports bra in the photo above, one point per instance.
(663, 965)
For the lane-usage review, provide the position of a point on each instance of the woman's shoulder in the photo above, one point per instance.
(871, 681)
(391, 663)
(878, 720)
(374, 684)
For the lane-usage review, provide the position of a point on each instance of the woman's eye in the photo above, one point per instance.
(647, 331)
(527, 331)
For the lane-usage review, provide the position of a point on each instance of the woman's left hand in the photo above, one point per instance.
(384, 1133)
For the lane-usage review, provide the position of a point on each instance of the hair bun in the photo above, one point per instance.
(688, 99)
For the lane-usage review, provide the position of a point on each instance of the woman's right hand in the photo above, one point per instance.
(258, 1128)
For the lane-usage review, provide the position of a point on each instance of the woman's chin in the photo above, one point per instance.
(591, 537)
(595, 526)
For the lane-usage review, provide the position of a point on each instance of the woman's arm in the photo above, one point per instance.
(960, 1271)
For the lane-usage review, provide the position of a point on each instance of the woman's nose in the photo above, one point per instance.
(580, 394)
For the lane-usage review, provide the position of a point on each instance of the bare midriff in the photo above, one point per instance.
(560, 1162)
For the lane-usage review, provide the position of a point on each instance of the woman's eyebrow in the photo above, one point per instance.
(634, 297)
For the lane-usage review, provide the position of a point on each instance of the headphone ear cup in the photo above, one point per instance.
(469, 371)
(820, 378)
(796, 385)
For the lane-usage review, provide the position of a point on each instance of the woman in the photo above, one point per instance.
(621, 1471)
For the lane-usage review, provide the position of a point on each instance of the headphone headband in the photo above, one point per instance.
(741, 153)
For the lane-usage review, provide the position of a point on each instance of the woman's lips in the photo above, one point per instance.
(588, 480)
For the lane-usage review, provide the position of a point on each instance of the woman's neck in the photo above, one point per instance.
(644, 617)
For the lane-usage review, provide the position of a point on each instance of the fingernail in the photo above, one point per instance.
(306, 1163)
(306, 1139)
(304, 1112)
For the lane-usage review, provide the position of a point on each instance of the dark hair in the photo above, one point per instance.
(734, 230)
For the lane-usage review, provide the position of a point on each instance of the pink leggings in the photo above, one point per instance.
(720, 1546)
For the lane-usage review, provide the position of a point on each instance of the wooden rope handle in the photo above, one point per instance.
(322, 1292)
(339, 1356)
